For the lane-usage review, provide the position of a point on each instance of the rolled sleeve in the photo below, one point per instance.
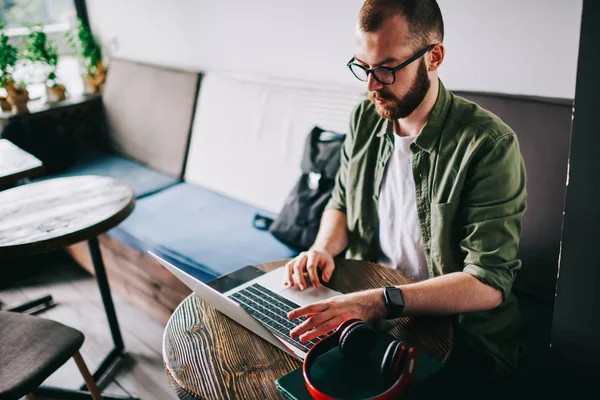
(495, 200)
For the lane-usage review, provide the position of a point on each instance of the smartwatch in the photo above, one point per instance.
(394, 301)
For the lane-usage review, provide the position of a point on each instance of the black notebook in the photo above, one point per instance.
(340, 379)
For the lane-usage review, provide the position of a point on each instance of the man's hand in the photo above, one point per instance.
(327, 315)
(311, 261)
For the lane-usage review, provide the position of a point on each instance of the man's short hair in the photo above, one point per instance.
(423, 16)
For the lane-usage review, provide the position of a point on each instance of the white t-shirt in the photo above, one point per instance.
(400, 237)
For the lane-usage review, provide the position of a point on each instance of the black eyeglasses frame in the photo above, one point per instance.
(393, 70)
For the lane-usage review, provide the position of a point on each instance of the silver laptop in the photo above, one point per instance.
(259, 301)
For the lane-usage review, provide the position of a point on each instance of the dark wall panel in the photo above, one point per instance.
(576, 327)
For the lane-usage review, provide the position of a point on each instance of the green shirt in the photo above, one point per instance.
(470, 190)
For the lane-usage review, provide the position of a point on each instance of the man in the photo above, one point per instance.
(429, 183)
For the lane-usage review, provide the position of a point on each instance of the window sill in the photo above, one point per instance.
(24, 31)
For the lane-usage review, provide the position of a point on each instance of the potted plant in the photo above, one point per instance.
(38, 48)
(90, 51)
(18, 96)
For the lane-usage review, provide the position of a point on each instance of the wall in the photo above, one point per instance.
(509, 46)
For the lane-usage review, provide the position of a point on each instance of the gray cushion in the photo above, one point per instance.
(543, 127)
(202, 232)
(149, 112)
(31, 349)
(143, 180)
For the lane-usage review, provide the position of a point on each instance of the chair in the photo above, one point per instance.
(31, 349)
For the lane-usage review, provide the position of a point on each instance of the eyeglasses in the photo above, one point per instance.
(383, 75)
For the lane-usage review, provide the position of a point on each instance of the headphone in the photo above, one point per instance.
(356, 339)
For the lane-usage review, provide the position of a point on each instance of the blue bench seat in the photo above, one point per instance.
(142, 179)
(202, 232)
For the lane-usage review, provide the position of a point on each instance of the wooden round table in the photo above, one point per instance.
(53, 214)
(209, 356)
(49, 215)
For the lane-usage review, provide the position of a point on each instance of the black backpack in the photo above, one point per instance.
(298, 222)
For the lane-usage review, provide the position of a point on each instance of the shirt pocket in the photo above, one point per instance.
(445, 238)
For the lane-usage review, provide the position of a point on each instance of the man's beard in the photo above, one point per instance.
(403, 107)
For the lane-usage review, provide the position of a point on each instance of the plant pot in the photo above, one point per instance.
(17, 97)
(56, 93)
(92, 84)
(95, 82)
(4, 104)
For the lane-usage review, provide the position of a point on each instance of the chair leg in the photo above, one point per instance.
(87, 377)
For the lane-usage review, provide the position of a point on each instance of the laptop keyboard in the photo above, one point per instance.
(271, 310)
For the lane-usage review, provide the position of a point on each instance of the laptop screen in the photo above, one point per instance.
(235, 279)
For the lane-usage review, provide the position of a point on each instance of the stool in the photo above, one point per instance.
(31, 349)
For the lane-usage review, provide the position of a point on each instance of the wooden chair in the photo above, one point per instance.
(31, 349)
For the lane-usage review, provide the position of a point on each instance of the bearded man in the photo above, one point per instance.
(430, 184)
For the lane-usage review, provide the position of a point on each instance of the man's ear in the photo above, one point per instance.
(436, 57)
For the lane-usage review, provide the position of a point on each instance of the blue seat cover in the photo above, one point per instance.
(202, 232)
(143, 180)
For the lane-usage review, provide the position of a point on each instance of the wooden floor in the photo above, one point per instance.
(140, 373)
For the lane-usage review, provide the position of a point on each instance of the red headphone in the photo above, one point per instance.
(356, 339)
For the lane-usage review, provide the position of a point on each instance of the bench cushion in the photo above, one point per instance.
(149, 112)
(543, 127)
(249, 133)
(143, 180)
(199, 231)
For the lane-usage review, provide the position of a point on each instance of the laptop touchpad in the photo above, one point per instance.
(308, 295)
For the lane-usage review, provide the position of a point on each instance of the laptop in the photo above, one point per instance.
(258, 301)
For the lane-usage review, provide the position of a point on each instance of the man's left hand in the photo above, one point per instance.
(327, 315)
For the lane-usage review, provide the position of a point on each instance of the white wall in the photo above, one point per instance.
(510, 46)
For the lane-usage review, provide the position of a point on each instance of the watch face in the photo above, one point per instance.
(396, 297)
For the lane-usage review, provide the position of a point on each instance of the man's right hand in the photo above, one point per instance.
(310, 261)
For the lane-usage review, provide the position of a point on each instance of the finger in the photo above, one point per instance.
(311, 267)
(287, 276)
(299, 272)
(292, 264)
(322, 329)
(312, 322)
(288, 279)
(309, 309)
(328, 270)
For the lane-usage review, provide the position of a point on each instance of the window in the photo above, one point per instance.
(57, 17)
(20, 13)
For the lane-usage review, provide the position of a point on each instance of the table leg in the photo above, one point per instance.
(114, 355)
(35, 306)
(109, 308)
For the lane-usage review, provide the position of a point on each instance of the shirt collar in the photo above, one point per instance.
(430, 133)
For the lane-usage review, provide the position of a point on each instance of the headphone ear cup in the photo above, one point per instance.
(357, 340)
(388, 362)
